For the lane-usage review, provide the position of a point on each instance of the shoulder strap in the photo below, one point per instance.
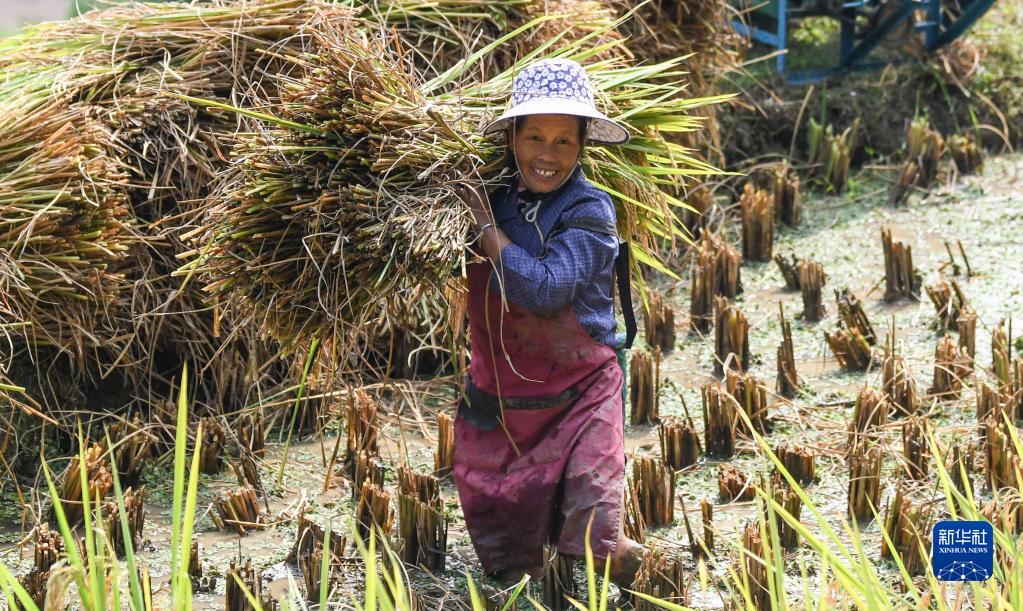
(622, 265)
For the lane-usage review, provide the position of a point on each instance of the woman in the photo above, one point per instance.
(538, 437)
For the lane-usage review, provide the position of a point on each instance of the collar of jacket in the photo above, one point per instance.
(505, 200)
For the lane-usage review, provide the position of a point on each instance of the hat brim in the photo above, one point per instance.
(601, 129)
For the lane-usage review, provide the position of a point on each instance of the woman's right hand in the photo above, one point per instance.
(475, 198)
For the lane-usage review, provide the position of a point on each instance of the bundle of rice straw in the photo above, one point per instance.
(340, 202)
(438, 34)
(89, 108)
(697, 28)
(63, 230)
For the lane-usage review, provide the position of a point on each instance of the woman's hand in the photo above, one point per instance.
(475, 198)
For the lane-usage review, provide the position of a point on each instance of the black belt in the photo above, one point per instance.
(483, 409)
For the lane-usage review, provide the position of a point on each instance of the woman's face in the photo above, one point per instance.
(546, 148)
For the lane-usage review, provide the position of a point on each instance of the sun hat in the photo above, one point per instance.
(558, 87)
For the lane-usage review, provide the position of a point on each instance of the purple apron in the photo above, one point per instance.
(533, 465)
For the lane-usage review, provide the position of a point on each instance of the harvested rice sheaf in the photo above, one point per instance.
(342, 204)
(95, 125)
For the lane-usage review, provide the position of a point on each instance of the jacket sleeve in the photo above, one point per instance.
(575, 257)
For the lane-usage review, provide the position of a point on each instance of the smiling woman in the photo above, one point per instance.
(538, 437)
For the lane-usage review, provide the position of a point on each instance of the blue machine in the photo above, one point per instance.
(864, 25)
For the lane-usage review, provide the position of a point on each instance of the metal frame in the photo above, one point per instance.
(938, 29)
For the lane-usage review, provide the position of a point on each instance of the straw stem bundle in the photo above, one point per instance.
(362, 424)
(680, 443)
(909, 175)
(719, 421)
(789, 271)
(311, 568)
(422, 525)
(1001, 352)
(925, 146)
(787, 380)
(788, 199)
(798, 461)
(870, 414)
(829, 155)
(915, 448)
(786, 497)
(35, 584)
(572, 21)
(214, 440)
(731, 337)
(907, 527)
(753, 568)
(242, 581)
(707, 513)
(1001, 461)
(133, 446)
(644, 370)
(653, 487)
(850, 310)
(158, 153)
(734, 485)
(950, 369)
(373, 511)
(864, 494)
(201, 582)
(991, 403)
(558, 579)
(750, 395)
(444, 456)
(662, 577)
(960, 466)
(757, 214)
(966, 325)
(364, 468)
(135, 510)
(949, 302)
(659, 323)
(967, 155)
(851, 350)
(901, 278)
(48, 548)
(716, 271)
(811, 283)
(897, 382)
(238, 509)
(251, 433)
(309, 536)
(98, 480)
(634, 525)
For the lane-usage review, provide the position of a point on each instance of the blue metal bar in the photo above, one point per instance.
(805, 77)
(847, 40)
(933, 11)
(973, 12)
(783, 35)
(778, 39)
(879, 33)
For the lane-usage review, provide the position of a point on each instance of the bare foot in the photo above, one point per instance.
(625, 562)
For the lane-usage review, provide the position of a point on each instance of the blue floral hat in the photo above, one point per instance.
(558, 87)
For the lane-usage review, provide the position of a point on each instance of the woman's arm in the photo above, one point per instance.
(492, 239)
(574, 260)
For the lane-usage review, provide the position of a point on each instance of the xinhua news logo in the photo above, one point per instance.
(963, 551)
